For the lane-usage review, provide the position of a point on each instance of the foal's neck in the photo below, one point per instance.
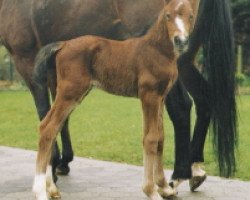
(158, 37)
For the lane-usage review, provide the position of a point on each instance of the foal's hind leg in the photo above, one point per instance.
(48, 130)
(69, 95)
(151, 105)
(60, 164)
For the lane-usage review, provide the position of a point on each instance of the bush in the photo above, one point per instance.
(240, 79)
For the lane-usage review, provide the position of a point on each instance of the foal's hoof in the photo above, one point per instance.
(155, 196)
(62, 169)
(55, 195)
(196, 182)
(167, 192)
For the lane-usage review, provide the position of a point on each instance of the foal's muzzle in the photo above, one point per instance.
(180, 43)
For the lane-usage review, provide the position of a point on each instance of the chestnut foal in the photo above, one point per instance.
(143, 67)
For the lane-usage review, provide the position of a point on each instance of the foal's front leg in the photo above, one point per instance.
(164, 189)
(151, 105)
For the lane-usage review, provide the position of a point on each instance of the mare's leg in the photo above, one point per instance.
(178, 104)
(67, 150)
(40, 94)
(198, 89)
(151, 105)
(62, 166)
(164, 189)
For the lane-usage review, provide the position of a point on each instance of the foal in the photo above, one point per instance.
(142, 67)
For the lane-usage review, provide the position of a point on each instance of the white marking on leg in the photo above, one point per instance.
(149, 187)
(164, 189)
(167, 191)
(51, 186)
(147, 168)
(39, 187)
(197, 169)
(155, 196)
(177, 182)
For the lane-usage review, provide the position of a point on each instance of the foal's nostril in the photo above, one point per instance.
(177, 41)
(180, 43)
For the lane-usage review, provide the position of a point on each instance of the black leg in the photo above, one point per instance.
(67, 151)
(55, 160)
(198, 89)
(200, 132)
(178, 106)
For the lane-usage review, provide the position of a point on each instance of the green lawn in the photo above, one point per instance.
(107, 127)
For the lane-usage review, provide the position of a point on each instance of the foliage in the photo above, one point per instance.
(3, 64)
(108, 127)
(240, 78)
(241, 20)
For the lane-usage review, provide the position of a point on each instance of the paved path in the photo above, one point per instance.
(98, 180)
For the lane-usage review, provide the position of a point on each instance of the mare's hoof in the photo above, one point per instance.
(62, 169)
(196, 182)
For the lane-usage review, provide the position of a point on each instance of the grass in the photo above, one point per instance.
(108, 127)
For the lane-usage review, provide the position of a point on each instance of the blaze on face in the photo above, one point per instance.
(179, 18)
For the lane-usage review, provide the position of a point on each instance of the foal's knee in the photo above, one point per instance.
(150, 143)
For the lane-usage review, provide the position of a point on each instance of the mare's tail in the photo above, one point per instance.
(44, 60)
(214, 27)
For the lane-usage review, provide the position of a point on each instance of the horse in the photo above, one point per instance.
(41, 22)
(142, 67)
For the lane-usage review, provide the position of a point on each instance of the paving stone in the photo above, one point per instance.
(100, 180)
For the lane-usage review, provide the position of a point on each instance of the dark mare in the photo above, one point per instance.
(27, 25)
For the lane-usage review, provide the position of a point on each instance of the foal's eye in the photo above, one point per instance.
(191, 17)
(167, 16)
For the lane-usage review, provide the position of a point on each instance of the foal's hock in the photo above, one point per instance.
(143, 67)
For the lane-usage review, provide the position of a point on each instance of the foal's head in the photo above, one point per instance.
(178, 15)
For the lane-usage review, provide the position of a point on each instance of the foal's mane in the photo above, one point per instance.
(159, 30)
(158, 35)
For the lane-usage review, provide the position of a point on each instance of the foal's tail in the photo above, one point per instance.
(214, 27)
(44, 60)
